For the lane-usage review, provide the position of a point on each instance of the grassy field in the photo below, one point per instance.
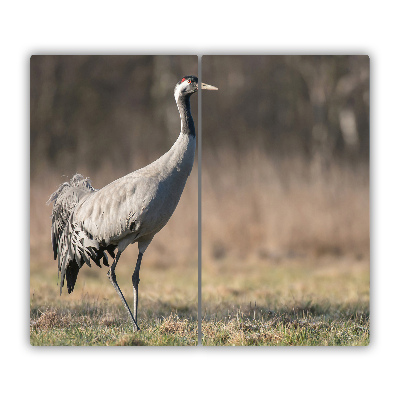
(93, 314)
(94, 325)
(312, 302)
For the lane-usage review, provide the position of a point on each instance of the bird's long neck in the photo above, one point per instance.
(177, 162)
(187, 124)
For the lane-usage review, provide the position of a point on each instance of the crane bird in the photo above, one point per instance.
(87, 223)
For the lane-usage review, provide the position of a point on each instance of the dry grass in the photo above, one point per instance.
(93, 314)
(255, 208)
(287, 330)
(60, 326)
(323, 301)
(285, 252)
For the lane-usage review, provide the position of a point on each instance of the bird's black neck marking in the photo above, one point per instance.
(187, 125)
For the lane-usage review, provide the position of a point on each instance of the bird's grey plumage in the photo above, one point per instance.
(72, 245)
(87, 223)
(135, 207)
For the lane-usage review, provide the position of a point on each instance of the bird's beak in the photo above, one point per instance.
(208, 87)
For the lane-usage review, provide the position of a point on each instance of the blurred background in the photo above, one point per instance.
(286, 129)
(285, 178)
(104, 117)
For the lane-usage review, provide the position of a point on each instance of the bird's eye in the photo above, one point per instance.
(189, 81)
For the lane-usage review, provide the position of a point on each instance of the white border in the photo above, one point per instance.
(121, 27)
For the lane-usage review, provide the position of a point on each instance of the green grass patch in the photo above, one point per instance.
(311, 327)
(99, 327)
(310, 302)
(93, 315)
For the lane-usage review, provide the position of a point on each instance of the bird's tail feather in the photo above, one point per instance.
(71, 244)
(75, 248)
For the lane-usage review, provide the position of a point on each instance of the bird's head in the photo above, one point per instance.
(189, 85)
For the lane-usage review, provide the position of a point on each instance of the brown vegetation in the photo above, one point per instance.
(255, 208)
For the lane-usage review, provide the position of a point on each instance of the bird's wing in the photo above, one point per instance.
(71, 244)
(65, 200)
(115, 211)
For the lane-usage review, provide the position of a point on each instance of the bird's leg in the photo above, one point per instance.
(113, 279)
(135, 283)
